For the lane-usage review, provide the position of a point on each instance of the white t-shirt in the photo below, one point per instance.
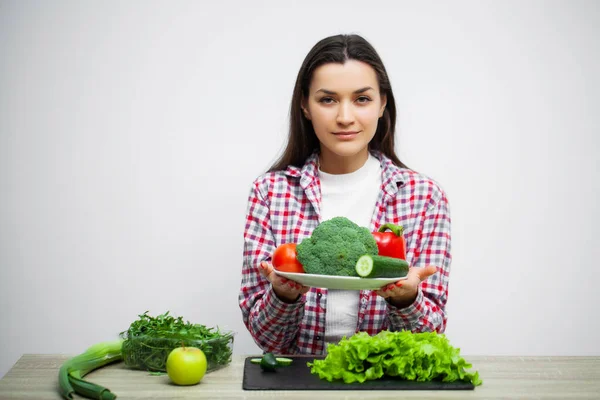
(353, 196)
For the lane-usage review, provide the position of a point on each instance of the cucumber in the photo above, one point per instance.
(281, 361)
(269, 362)
(371, 266)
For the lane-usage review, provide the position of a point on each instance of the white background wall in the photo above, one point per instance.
(130, 133)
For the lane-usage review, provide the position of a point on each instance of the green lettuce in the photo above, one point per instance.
(421, 357)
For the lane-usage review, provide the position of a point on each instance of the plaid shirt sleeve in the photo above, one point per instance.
(273, 324)
(427, 313)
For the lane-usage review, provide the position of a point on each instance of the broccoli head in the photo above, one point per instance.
(334, 247)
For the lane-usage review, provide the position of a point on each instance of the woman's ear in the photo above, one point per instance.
(305, 109)
(383, 104)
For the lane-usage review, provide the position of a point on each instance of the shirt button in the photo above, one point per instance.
(319, 295)
(318, 338)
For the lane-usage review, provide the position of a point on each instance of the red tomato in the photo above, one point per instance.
(284, 259)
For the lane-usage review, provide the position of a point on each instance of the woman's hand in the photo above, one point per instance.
(287, 290)
(403, 293)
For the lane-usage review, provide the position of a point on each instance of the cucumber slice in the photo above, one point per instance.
(364, 266)
(283, 361)
(375, 266)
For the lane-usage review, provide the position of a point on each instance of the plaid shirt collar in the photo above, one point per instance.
(393, 176)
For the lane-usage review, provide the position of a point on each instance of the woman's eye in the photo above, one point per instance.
(363, 99)
(326, 100)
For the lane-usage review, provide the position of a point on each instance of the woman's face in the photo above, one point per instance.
(344, 105)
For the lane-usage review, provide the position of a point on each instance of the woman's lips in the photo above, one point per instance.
(346, 134)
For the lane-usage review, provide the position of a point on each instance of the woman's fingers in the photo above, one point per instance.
(265, 270)
(426, 272)
(280, 283)
(289, 291)
(408, 286)
(417, 275)
(304, 289)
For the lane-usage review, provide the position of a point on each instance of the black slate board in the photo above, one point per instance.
(297, 376)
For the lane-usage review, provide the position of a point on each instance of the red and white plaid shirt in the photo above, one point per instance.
(283, 207)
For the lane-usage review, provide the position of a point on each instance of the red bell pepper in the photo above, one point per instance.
(391, 244)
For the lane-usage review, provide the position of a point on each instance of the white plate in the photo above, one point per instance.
(338, 282)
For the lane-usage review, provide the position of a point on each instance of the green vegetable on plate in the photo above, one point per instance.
(334, 247)
(370, 266)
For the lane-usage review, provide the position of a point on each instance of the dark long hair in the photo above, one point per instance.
(302, 140)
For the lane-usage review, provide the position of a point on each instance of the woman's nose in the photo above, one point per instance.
(345, 115)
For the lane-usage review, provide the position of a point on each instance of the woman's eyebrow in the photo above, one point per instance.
(366, 88)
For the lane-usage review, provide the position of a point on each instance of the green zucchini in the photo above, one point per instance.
(371, 266)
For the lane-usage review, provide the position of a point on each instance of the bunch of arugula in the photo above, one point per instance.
(149, 340)
(423, 356)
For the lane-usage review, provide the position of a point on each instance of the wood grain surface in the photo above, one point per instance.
(35, 376)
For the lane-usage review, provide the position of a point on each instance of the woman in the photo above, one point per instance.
(340, 161)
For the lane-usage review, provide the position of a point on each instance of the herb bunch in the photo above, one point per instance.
(149, 340)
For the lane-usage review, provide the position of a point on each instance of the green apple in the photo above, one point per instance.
(186, 365)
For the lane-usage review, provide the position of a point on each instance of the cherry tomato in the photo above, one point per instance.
(284, 259)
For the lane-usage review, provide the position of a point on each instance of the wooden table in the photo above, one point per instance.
(36, 377)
